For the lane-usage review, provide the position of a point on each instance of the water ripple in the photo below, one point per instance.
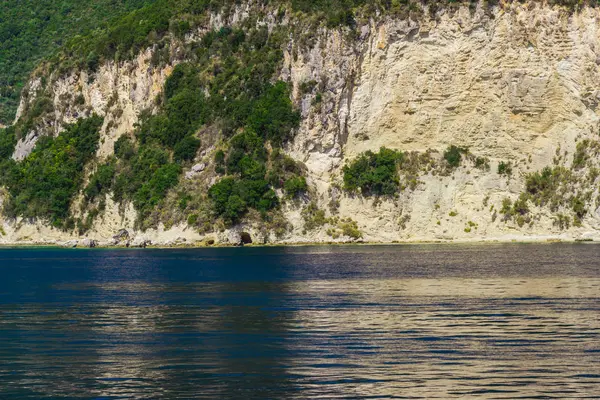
(371, 322)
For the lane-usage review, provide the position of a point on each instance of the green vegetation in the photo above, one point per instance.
(145, 178)
(374, 174)
(165, 141)
(147, 26)
(294, 186)
(453, 156)
(252, 173)
(44, 184)
(482, 163)
(219, 160)
(314, 217)
(413, 164)
(232, 198)
(521, 207)
(192, 219)
(558, 187)
(272, 115)
(34, 113)
(253, 112)
(33, 29)
(152, 192)
(124, 148)
(389, 171)
(519, 211)
(7, 143)
(183, 112)
(345, 12)
(228, 86)
(506, 206)
(562, 221)
(100, 181)
(470, 226)
(504, 168)
(350, 228)
(7, 147)
(586, 151)
(344, 227)
(547, 188)
(186, 149)
(561, 190)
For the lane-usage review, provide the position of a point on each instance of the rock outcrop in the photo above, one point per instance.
(518, 84)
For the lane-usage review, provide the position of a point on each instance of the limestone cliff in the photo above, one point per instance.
(516, 84)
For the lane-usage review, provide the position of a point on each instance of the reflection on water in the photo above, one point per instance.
(501, 339)
(344, 322)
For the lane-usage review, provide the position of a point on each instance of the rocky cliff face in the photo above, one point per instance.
(517, 85)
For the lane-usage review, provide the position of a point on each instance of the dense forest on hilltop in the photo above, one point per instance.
(148, 25)
(33, 29)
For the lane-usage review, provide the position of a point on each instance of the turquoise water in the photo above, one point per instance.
(485, 321)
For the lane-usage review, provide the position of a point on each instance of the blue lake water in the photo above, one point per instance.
(482, 321)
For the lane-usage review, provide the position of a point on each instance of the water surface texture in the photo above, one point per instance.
(484, 321)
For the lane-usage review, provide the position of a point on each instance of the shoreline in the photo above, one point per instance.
(202, 245)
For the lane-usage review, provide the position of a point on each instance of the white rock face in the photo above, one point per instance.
(196, 169)
(25, 146)
(140, 242)
(199, 167)
(118, 92)
(516, 84)
(89, 243)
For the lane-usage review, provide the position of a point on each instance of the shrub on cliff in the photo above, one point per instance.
(294, 186)
(453, 156)
(227, 201)
(504, 168)
(101, 181)
(124, 148)
(272, 115)
(374, 174)
(186, 149)
(153, 191)
(44, 184)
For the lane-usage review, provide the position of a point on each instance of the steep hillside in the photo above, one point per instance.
(33, 29)
(200, 122)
